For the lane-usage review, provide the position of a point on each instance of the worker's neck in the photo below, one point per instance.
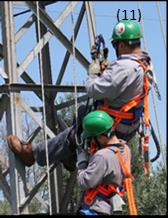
(129, 51)
(113, 140)
(136, 51)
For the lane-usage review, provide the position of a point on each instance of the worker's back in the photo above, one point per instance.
(103, 169)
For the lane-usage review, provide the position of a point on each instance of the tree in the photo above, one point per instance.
(4, 207)
(150, 192)
(146, 189)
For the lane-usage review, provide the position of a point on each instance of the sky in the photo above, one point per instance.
(105, 17)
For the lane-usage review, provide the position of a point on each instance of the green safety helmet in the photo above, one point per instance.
(126, 30)
(96, 123)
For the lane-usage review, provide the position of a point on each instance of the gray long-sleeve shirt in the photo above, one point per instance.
(120, 82)
(103, 167)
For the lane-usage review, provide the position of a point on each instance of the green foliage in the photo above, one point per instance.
(34, 207)
(150, 192)
(4, 207)
(151, 195)
(67, 113)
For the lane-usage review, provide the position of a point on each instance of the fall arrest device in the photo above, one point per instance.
(99, 52)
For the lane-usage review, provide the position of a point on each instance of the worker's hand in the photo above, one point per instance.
(104, 65)
(94, 68)
(82, 159)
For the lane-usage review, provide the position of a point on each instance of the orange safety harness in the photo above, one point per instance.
(107, 190)
(124, 113)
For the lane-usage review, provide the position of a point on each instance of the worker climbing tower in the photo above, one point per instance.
(17, 80)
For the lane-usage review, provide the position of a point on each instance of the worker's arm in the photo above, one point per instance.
(111, 83)
(94, 173)
(103, 167)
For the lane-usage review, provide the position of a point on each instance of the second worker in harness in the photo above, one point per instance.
(99, 169)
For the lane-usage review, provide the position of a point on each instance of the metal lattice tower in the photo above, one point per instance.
(17, 79)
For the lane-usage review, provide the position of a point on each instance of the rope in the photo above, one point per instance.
(74, 70)
(153, 99)
(161, 24)
(89, 7)
(44, 111)
(159, 130)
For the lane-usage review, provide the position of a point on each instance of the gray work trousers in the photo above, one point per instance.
(58, 148)
(62, 147)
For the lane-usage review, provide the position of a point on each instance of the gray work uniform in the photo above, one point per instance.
(122, 81)
(103, 168)
(62, 147)
(59, 149)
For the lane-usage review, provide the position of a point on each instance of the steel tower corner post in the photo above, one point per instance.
(13, 114)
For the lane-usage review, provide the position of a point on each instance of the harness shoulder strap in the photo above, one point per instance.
(125, 166)
(128, 180)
